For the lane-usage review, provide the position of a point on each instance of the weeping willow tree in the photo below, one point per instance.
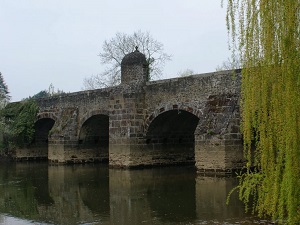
(266, 35)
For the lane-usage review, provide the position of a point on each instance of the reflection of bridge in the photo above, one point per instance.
(184, 120)
(90, 194)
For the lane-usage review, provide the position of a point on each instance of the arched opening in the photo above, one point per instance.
(40, 141)
(171, 137)
(94, 138)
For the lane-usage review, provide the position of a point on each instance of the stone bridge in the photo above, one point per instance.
(187, 120)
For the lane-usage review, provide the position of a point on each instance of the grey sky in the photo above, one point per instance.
(58, 41)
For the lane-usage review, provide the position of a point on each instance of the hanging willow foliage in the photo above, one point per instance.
(266, 35)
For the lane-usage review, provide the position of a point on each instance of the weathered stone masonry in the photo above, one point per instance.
(188, 120)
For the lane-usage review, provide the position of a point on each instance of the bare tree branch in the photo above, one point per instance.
(230, 64)
(114, 50)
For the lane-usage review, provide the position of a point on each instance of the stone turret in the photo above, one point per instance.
(134, 68)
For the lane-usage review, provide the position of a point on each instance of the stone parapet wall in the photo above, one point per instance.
(191, 92)
(137, 116)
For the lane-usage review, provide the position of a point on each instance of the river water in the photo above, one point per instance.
(38, 193)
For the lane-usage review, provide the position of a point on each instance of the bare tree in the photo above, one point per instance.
(185, 73)
(115, 49)
(230, 64)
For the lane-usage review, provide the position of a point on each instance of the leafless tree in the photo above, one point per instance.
(116, 48)
(230, 64)
(185, 73)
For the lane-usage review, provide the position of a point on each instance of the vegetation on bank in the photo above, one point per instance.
(19, 119)
(266, 36)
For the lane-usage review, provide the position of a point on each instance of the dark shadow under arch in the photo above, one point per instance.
(42, 128)
(174, 126)
(170, 136)
(94, 136)
(92, 113)
(40, 141)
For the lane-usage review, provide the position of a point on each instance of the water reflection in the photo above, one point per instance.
(211, 198)
(94, 194)
(146, 196)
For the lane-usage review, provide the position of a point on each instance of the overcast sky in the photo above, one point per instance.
(58, 41)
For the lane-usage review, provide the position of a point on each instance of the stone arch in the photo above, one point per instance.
(93, 135)
(179, 107)
(45, 115)
(39, 145)
(42, 127)
(89, 114)
(170, 134)
(44, 123)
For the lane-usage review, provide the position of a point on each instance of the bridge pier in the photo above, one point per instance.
(56, 149)
(218, 144)
(216, 154)
(63, 150)
(126, 127)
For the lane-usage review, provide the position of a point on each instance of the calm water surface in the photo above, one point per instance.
(38, 193)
